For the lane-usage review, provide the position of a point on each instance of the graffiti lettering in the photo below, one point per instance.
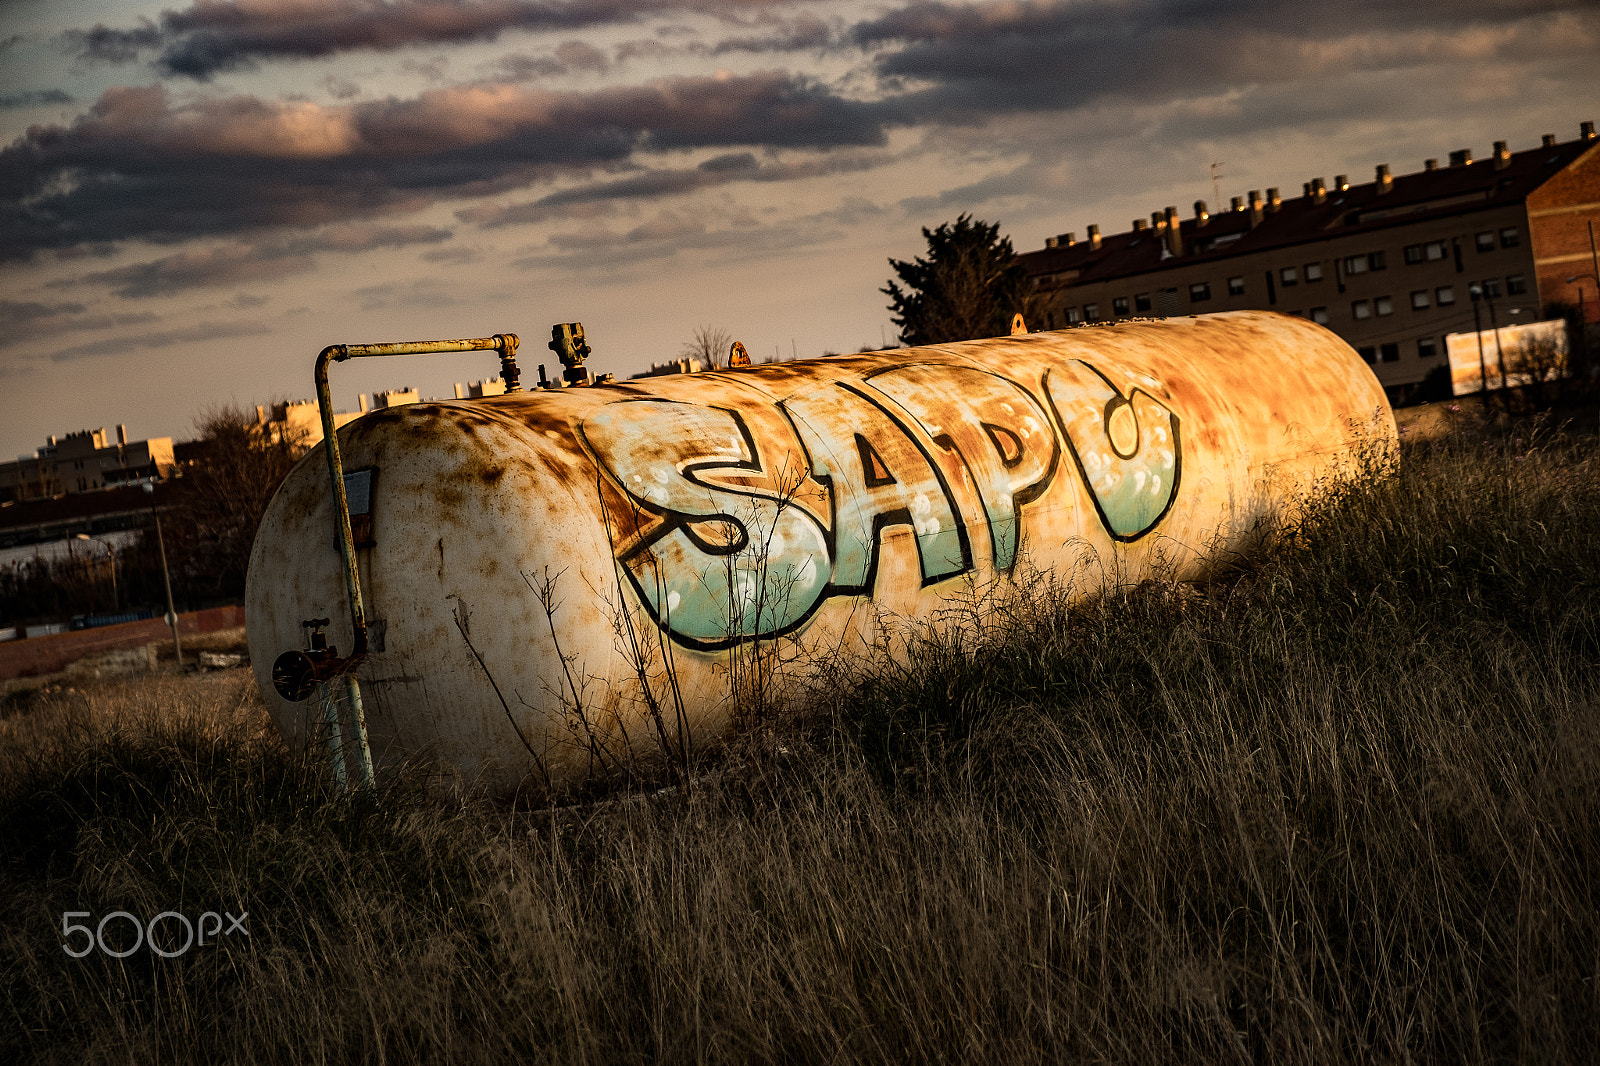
(999, 431)
(723, 564)
(1126, 447)
(884, 479)
(728, 535)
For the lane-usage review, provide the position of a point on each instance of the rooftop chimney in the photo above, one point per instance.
(1201, 215)
(1305, 189)
(1049, 242)
(1158, 220)
(1255, 207)
(1430, 164)
(1341, 182)
(361, 401)
(1384, 180)
(1066, 240)
(1174, 236)
(1319, 190)
(1586, 131)
(1502, 155)
(1274, 201)
(1236, 204)
(1094, 238)
(1547, 141)
(1461, 157)
(1140, 224)
(122, 433)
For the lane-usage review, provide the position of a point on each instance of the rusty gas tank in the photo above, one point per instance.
(556, 577)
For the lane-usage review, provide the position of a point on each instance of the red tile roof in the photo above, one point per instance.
(1413, 198)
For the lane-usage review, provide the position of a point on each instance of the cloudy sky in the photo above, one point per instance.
(196, 198)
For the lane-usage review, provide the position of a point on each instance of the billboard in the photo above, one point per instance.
(1511, 356)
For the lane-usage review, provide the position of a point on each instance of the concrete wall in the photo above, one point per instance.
(47, 655)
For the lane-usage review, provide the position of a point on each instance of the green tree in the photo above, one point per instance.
(968, 287)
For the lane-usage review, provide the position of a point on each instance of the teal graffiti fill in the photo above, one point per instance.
(722, 565)
(1127, 447)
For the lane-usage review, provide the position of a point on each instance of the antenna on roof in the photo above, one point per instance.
(1216, 189)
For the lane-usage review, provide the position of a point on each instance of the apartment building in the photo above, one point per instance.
(84, 461)
(1389, 265)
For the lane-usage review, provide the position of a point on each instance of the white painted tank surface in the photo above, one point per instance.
(549, 569)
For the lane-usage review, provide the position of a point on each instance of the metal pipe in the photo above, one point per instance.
(166, 576)
(503, 343)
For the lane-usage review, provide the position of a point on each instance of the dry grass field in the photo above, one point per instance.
(1340, 804)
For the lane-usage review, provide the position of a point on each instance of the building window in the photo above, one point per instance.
(1355, 264)
(1071, 316)
(1319, 315)
(1436, 250)
(1383, 305)
(1091, 312)
(1378, 260)
(1119, 306)
(1510, 237)
(1444, 295)
(1419, 300)
(1427, 348)
(1360, 309)
(1313, 271)
(1298, 313)
(1391, 353)
(1235, 286)
(1413, 254)
(1516, 285)
(1486, 241)
(1289, 276)
(1491, 287)
(1141, 301)
(1369, 353)
(1199, 291)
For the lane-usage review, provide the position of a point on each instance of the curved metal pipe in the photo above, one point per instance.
(503, 343)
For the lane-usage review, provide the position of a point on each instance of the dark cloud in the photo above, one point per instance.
(28, 321)
(341, 88)
(213, 36)
(202, 331)
(569, 57)
(110, 45)
(261, 261)
(801, 33)
(961, 62)
(718, 170)
(421, 292)
(457, 256)
(34, 98)
(139, 164)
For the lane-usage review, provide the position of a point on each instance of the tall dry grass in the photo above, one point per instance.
(1338, 805)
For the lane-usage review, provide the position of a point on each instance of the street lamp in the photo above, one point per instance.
(1476, 292)
(1483, 291)
(166, 575)
(111, 554)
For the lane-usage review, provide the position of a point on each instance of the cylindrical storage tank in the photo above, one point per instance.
(556, 577)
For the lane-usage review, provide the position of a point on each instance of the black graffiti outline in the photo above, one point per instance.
(944, 440)
(1118, 399)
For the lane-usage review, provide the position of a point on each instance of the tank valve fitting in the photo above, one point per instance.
(566, 340)
(296, 674)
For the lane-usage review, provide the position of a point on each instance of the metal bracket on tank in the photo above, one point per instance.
(329, 664)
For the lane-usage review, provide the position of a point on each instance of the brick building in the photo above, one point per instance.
(1387, 265)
